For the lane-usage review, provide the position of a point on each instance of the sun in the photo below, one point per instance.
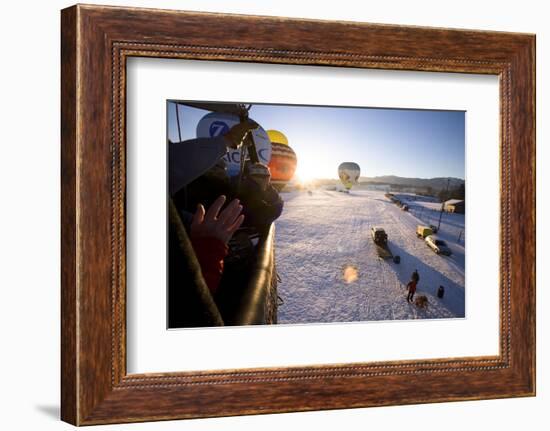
(305, 173)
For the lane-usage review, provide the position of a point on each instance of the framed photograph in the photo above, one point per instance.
(314, 215)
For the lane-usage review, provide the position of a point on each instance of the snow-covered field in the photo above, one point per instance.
(324, 235)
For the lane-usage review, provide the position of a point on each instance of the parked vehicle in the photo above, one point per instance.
(380, 238)
(438, 245)
(405, 208)
(423, 231)
(379, 235)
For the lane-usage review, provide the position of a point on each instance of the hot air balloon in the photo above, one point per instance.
(349, 174)
(277, 136)
(217, 123)
(283, 160)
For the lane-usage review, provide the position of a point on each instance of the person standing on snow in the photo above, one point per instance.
(412, 289)
(411, 285)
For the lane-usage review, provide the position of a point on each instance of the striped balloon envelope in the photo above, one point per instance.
(283, 160)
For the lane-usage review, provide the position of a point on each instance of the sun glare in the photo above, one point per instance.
(350, 273)
(305, 173)
(308, 172)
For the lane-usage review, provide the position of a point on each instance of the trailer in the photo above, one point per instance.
(383, 251)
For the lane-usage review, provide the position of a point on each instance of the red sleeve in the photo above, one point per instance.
(210, 254)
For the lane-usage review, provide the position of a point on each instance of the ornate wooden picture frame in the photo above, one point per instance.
(96, 41)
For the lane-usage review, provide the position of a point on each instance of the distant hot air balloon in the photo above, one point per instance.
(349, 174)
(283, 160)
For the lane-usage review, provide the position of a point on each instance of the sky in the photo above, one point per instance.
(402, 142)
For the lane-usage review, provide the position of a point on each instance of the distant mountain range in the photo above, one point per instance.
(401, 183)
(439, 183)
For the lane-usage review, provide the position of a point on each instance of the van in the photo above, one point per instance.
(423, 231)
(438, 245)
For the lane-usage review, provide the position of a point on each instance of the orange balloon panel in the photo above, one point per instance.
(283, 162)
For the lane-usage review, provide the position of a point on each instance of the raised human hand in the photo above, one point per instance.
(216, 224)
(236, 134)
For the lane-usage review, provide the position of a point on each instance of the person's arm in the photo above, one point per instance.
(189, 159)
(275, 201)
(210, 232)
(210, 253)
(260, 207)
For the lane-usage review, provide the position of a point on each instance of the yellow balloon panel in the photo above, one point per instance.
(277, 137)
